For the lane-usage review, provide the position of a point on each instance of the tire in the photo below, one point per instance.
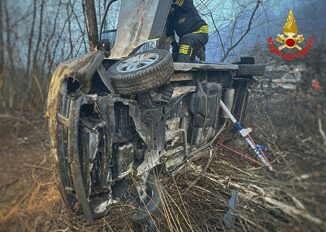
(142, 78)
(251, 70)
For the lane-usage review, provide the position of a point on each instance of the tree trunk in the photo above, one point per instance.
(39, 36)
(1, 51)
(10, 51)
(30, 42)
(92, 24)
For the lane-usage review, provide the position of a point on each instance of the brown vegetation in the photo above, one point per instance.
(292, 198)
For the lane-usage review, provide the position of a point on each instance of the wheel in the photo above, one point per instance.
(251, 70)
(142, 72)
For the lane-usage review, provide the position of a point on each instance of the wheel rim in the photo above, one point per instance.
(137, 62)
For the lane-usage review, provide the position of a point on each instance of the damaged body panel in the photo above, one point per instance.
(103, 140)
(113, 123)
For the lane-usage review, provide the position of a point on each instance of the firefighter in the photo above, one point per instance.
(185, 21)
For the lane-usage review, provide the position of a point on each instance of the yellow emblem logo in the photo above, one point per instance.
(290, 38)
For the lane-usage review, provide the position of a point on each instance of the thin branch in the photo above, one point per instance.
(211, 156)
(321, 131)
(245, 33)
(215, 26)
(218, 33)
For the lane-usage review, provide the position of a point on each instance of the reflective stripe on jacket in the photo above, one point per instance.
(183, 19)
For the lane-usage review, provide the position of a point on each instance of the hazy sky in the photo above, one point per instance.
(310, 16)
(271, 16)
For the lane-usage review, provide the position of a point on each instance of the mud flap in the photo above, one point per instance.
(204, 105)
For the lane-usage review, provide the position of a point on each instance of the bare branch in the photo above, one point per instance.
(321, 131)
(245, 33)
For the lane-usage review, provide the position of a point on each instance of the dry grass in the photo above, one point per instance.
(290, 199)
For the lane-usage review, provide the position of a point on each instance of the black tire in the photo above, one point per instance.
(144, 79)
(251, 70)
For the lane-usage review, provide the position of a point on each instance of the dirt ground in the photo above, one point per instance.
(292, 198)
(28, 188)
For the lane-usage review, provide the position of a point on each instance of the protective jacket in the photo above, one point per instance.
(183, 19)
